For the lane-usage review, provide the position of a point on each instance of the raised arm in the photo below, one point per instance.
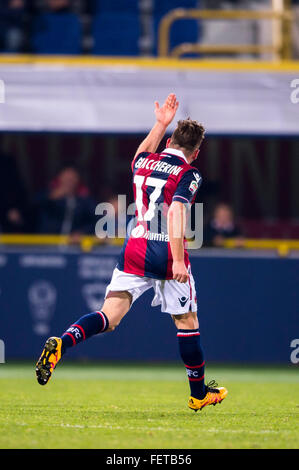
(176, 225)
(164, 116)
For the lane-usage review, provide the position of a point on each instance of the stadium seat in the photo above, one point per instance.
(116, 34)
(182, 30)
(101, 6)
(56, 34)
(163, 6)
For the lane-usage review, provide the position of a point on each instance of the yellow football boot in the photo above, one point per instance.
(213, 396)
(49, 359)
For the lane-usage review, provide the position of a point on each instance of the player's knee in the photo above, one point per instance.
(115, 307)
(188, 321)
(112, 327)
(190, 324)
(113, 324)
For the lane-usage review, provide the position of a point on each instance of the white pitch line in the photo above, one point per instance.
(142, 428)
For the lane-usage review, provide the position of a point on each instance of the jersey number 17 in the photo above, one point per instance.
(157, 184)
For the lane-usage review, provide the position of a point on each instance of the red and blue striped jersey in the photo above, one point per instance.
(158, 179)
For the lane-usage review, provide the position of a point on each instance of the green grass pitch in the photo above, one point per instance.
(145, 406)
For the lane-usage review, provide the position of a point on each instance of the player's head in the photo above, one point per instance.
(187, 137)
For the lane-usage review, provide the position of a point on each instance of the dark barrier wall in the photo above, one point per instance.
(248, 307)
(257, 175)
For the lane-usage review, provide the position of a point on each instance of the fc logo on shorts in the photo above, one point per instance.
(183, 301)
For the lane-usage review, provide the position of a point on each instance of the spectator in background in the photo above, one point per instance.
(66, 208)
(59, 6)
(56, 30)
(222, 226)
(13, 206)
(12, 25)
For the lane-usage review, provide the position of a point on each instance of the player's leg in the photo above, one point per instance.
(191, 352)
(192, 355)
(180, 300)
(122, 291)
(115, 307)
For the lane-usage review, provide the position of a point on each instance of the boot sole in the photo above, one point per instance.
(43, 366)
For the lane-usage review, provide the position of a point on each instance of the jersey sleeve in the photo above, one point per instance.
(187, 187)
(138, 157)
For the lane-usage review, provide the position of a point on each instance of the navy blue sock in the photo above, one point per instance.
(87, 326)
(192, 356)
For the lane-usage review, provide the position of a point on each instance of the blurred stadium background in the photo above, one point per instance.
(80, 79)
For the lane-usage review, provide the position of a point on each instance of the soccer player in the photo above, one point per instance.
(154, 254)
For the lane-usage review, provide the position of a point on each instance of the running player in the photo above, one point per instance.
(154, 254)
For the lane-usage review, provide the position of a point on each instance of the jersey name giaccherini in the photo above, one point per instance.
(163, 167)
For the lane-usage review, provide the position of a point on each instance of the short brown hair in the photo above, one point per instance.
(188, 135)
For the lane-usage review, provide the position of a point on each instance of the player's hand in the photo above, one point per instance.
(166, 113)
(179, 271)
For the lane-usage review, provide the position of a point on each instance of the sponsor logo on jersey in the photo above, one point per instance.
(161, 166)
(139, 232)
(160, 237)
(193, 187)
